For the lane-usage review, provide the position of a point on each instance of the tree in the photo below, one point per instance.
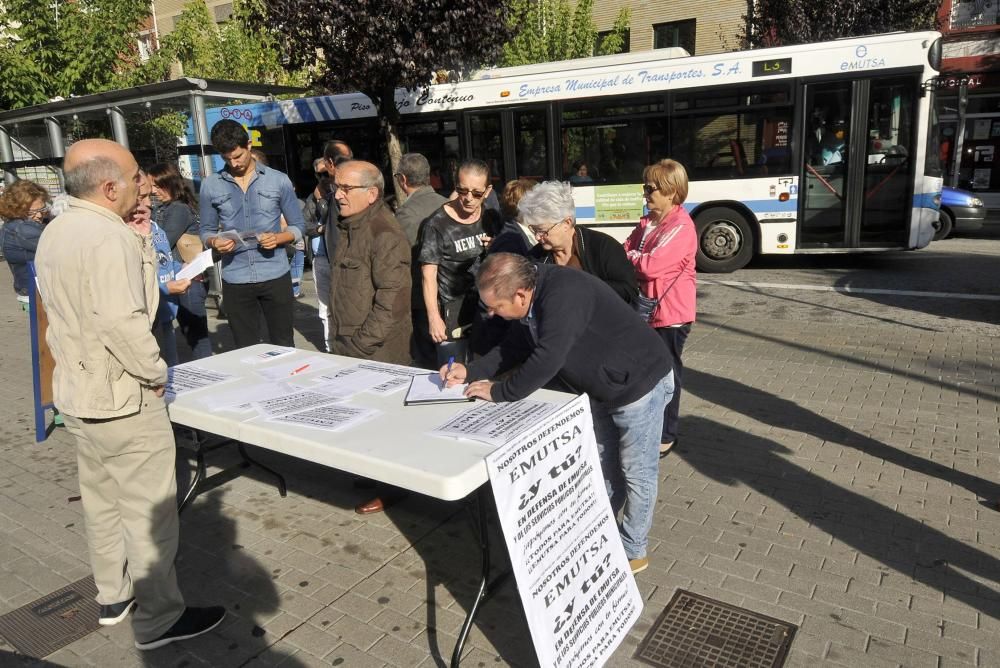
(377, 46)
(551, 30)
(241, 49)
(60, 48)
(785, 22)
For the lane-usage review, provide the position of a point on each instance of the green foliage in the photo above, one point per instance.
(65, 47)
(785, 22)
(241, 49)
(551, 30)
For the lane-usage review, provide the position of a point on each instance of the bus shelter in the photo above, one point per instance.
(155, 121)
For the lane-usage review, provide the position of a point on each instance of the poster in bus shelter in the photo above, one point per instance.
(577, 589)
(618, 203)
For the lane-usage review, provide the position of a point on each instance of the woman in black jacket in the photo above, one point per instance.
(176, 213)
(550, 213)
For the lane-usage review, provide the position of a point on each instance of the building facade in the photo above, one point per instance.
(969, 96)
(167, 11)
(701, 29)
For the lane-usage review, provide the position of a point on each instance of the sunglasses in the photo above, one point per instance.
(648, 189)
(477, 194)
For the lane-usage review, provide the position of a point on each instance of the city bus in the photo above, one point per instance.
(816, 148)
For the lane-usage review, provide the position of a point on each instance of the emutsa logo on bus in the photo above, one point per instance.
(237, 114)
(862, 61)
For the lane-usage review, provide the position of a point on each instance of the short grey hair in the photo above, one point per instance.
(369, 174)
(503, 274)
(85, 178)
(416, 169)
(548, 202)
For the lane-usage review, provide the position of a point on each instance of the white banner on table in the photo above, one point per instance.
(292, 403)
(572, 573)
(332, 417)
(187, 377)
(495, 423)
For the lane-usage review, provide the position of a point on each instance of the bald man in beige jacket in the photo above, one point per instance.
(97, 278)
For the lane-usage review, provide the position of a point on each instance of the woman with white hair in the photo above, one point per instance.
(549, 213)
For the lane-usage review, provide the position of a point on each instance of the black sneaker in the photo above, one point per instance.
(116, 612)
(193, 622)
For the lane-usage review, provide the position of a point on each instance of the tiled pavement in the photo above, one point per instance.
(830, 476)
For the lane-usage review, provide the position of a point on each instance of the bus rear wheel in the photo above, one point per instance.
(725, 240)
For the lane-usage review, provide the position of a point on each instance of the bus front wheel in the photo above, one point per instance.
(725, 240)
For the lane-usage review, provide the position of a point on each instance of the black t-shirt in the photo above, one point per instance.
(453, 247)
(175, 218)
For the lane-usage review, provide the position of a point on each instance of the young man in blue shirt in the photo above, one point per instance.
(249, 198)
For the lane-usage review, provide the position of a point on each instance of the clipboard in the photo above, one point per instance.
(428, 389)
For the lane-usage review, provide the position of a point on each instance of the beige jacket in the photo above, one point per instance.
(97, 279)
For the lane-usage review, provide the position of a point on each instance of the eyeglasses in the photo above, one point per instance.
(648, 189)
(543, 230)
(346, 188)
(41, 209)
(477, 194)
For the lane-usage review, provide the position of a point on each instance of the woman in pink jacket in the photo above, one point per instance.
(662, 249)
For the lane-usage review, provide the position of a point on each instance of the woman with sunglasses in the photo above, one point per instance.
(25, 207)
(453, 238)
(662, 249)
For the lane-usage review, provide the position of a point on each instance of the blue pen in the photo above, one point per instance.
(451, 360)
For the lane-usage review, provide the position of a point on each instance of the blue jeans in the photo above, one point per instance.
(193, 320)
(298, 267)
(628, 443)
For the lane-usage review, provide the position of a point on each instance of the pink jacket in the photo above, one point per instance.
(666, 265)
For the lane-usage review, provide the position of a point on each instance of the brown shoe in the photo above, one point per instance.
(374, 505)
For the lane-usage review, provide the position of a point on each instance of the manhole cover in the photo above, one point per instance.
(697, 631)
(43, 626)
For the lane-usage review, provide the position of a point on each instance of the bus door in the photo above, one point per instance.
(857, 171)
(514, 142)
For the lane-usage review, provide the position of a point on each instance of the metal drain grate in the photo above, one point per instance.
(697, 631)
(43, 626)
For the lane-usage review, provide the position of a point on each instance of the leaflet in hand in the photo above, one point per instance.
(241, 238)
(198, 265)
(430, 389)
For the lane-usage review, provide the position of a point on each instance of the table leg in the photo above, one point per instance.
(282, 490)
(484, 544)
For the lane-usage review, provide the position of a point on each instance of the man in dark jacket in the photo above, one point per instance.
(574, 328)
(370, 271)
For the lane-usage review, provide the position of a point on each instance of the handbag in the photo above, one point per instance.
(645, 306)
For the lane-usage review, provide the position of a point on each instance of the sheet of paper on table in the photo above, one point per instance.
(331, 417)
(400, 376)
(187, 377)
(291, 403)
(268, 355)
(301, 366)
(350, 381)
(241, 398)
(430, 389)
(495, 423)
(198, 265)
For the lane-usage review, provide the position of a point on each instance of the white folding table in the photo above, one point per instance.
(394, 447)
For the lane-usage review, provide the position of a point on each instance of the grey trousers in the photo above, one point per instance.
(128, 487)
